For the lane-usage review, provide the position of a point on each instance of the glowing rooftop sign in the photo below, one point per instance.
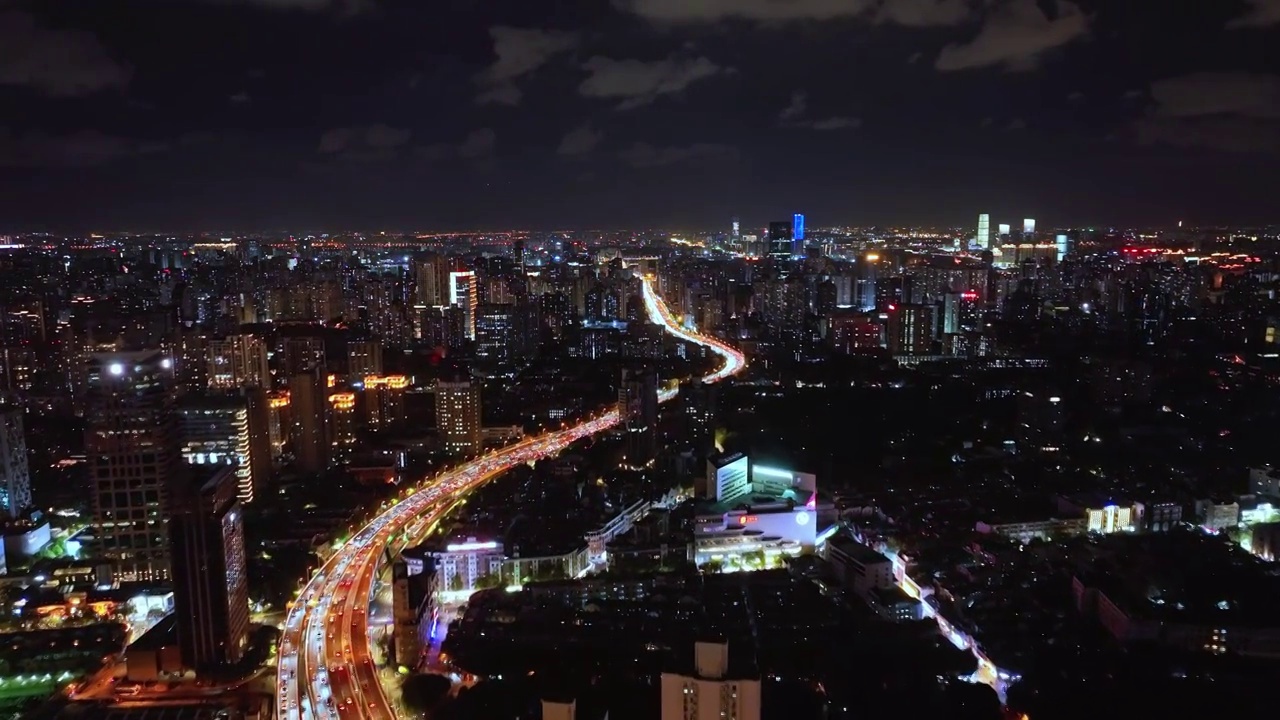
(469, 546)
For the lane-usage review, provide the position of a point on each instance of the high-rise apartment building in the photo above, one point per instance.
(712, 690)
(342, 422)
(307, 411)
(463, 293)
(638, 407)
(384, 400)
(983, 239)
(215, 431)
(458, 416)
(431, 277)
(909, 330)
(238, 361)
(15, 477)
(210, 579)
(134, 455)
(364, 357)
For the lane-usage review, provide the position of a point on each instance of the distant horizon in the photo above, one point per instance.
(745, 230)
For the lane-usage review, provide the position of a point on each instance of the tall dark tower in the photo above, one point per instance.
(781, 242)
(638, 405)
(210, 583)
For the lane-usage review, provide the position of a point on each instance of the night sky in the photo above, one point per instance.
(493, 114)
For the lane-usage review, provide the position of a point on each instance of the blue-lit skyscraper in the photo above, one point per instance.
(797, 227)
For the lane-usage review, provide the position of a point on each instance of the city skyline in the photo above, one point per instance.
(384, 113)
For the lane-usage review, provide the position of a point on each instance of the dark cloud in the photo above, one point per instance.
(1204, 94)
(520, 51)
(795, 109)
(924, 13)
(643, 155)
(795, 115)
(580, 140)
(1232, 134)
(911, 13)
(1015, 35)
(637, 83)
(695, 11)
(1233, 112)
(239, 98)
(60, 63)
(1261, 14)
(375, 142)
(82, 149)
(342, 6)
(478, 144)
(831, 123)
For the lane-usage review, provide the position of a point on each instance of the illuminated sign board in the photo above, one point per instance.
(469, 546)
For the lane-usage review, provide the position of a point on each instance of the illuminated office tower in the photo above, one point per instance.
(458, 417)
(797, 227)
(1061, 244)
(364, 357)
(1004, 231)
(462, 294)
(134, 456)
(735, 233)
(210, 582)
(1028, 229)
(15, 477)
(342, 421)
(215, 431)
(238, 361)
(984, 231)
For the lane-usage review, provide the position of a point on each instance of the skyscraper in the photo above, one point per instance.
(638, 406)
(15, 477)
(238, 361)
(215, 431)
(1062, 244)
(134, 455)
(307, 410)
(211, 585)
(797, 227)
(1028, 229)
(781, 246)
(736, 233)
(463, 294)
(984, 231)
(458, 416)
(431, 276)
